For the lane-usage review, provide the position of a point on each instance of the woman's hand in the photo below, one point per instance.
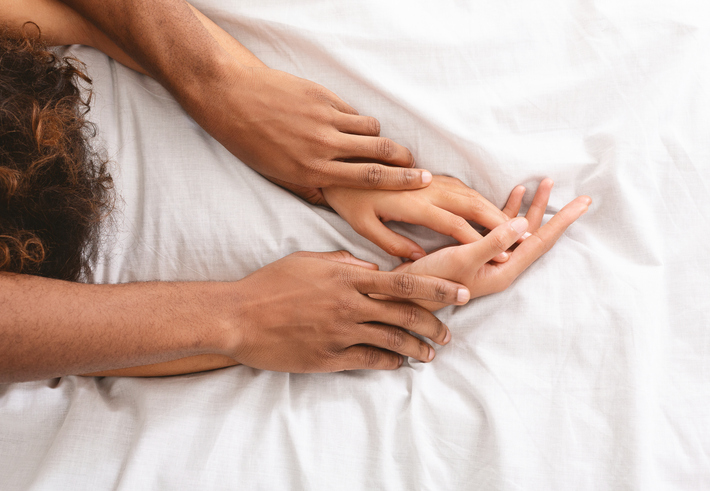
(444, 206)
(470, 264)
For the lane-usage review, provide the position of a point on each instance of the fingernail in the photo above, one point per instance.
(426, 177)
(463, 295)
(447, 338)
(526, 235)
(416, 255)
(431, 354)
(401, 360)
(520, 225)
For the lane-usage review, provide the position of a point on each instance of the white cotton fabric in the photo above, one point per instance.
(590, 372)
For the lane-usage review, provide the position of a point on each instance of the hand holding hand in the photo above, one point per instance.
(470, 264)
(310, 312)
(444, 206)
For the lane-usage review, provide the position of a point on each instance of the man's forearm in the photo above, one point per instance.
(50, 328)
(163, 36)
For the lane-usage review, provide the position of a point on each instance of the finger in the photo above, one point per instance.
(469, 204)
(439, 220)
(499, 240)
(376, 176)
(357, 125)
(341, 257)
(411, 317)
(539, 204)
(395, 340)
(409, 286)
(378, 149)
(515, 200)
(545, 237)
(392, 243)
(369, 358)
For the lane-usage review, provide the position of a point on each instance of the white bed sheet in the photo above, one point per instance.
(590, 372)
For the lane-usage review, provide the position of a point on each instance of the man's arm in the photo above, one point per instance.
(51, 328)
(308, 312)
(290, 130)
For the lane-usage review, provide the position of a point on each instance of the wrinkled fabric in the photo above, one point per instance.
(590, 372)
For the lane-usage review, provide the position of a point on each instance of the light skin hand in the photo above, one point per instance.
(444, 206)
(470, 264)
(310, 312)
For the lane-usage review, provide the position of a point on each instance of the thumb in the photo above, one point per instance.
(500, 239)
(341, 257)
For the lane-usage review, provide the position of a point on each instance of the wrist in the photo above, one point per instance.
(228, 317)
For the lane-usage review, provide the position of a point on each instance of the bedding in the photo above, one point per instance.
(590, 372)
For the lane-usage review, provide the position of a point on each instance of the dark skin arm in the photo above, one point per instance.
(52, 328)
(290, 130)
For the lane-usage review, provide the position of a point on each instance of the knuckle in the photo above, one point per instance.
(411, 317)
(441, 292)
(373, 175)
(459, 223)
(395, 249)
(499, 242)
(371, 357)
(406, 177)
(342, 255)
(477, 204)
(384, 148)
(315, 172)
(404, 285)
(346, 276)
(395, 339)
(345, 306)
(324, 139)
(318, 92)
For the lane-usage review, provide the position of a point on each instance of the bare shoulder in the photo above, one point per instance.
(59, 24)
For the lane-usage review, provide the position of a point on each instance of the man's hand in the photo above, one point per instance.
(293, 131)
(300, 134)
(310, 312)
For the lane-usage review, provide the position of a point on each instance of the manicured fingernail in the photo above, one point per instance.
(463, 295)
(502, 257)
(526, 235)
(416, 255)
(520, 225)
(426, 177)
(432, 353)
(447, 338)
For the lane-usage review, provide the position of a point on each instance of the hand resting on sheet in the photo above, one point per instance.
(291, 130)
(260, 320)
(469, 264)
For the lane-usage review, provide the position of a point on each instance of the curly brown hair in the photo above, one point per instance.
(54, 189)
